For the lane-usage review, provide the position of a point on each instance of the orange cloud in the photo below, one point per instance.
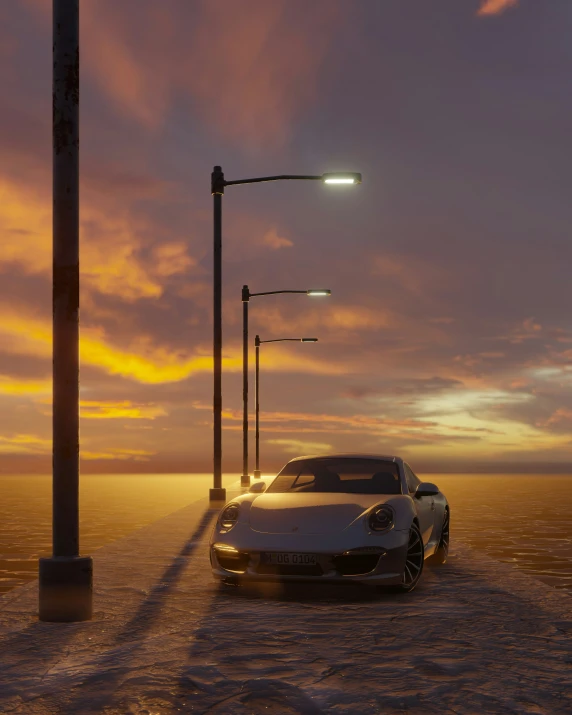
(25, 228)
(32, 444)
(141, 89)
(148, 364)
(298, 446)
(139, 455)
(272, 239)
(172, 258)
(333, 318)
(529, 329)
(306, 423)
(124, 409)
(248, 234)
(25, 444)
(494, 7)
(20, 388)
(294, 360)
(29, 444)
(266, 77)
(111, 259)
(250, 68)
(143, 361)
(115, 409)
(562, 416)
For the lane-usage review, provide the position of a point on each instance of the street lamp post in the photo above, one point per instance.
(246, 296)
(218, 185)
(257, 343)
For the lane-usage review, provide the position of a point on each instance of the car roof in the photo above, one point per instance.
(349, 455)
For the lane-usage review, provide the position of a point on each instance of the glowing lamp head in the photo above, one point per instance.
(342, 178)
(320, 291)
(309, 340)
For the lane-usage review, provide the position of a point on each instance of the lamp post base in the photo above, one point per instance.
(217, 494)
(66, 589)
(257, 473)
(245, 480)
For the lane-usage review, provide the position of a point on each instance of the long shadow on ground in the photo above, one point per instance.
(46, 641)
(98, 689)
(151, 608)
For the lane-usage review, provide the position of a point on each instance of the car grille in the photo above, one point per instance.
(356, 564)
(289, 570)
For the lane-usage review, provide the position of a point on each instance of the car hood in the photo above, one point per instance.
(319, 513)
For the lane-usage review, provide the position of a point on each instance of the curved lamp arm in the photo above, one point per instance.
(295, 340)
(218, 182)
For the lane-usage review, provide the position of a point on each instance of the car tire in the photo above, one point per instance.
(441, 553)
(414, 561)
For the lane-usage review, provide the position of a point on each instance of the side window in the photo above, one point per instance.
(306, 478)
(412, 481)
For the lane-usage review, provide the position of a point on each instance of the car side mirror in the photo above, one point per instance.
(426, 489)
(257, 488)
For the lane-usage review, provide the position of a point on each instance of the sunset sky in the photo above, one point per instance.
(448, 335)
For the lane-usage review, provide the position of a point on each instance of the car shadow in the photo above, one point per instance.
(310, 592)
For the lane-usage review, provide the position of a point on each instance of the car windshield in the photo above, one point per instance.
(344, 476)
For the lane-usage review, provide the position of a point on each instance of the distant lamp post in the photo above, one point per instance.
(257, 344)
(218, 185)
(246, 296)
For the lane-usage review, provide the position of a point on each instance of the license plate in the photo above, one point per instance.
(289, 559)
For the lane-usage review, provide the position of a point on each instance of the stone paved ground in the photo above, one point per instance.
(475, 637)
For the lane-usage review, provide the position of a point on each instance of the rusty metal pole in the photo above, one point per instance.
(245, 478)
(217, 493)
(257, 406)
(65, 583)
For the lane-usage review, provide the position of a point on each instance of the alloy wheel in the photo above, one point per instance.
(414, 559)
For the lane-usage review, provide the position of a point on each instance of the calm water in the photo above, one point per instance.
(520, 519)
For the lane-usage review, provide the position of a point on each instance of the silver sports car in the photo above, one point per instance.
(343, 517)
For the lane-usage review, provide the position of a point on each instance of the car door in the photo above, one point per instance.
(425, 506)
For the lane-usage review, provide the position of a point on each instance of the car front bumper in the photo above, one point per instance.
(339, 565)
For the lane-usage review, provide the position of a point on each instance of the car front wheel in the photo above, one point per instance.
(413, 561)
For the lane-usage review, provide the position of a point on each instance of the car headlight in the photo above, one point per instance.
(381, 518)
(229, 516)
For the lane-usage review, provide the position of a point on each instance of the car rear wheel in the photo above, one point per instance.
(440, 555)
(413, 562)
